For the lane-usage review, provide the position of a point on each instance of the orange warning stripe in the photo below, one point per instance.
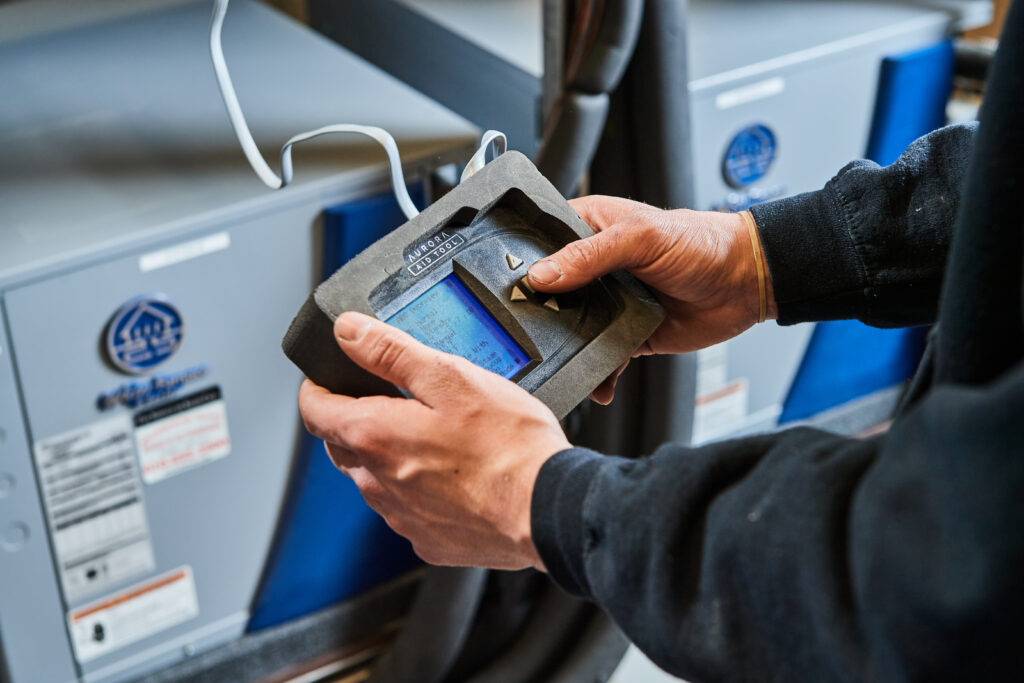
(721, 393)
(177, 576)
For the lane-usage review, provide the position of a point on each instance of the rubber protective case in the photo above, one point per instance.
(513, 181)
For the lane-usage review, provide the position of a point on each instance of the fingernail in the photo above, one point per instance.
(545, 272)
(351, 326)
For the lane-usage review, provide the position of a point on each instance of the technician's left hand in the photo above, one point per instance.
(452, 469)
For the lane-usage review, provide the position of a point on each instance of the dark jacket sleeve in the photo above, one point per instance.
(873, 243)
(804, 556)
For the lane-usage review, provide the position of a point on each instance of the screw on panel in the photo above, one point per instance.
(15, 537)
(7, 483)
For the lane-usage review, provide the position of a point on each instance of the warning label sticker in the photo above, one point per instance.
(94, 506)
(183, 434)
(721, 405)
(133, 614)
(720, 412)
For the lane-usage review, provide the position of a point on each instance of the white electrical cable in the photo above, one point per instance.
(378, 134)
(271, 179)
(479, 159)
(252, 152)
(227, 92)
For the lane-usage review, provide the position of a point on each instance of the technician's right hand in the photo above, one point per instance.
(699, 264)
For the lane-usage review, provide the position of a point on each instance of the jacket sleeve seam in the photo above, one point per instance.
(846, 212)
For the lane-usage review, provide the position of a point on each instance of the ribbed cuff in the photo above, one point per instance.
(816, 271)
(556, 516)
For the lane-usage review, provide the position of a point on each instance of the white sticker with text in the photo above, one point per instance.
(183, 434)
(133, 614)
(94, 506)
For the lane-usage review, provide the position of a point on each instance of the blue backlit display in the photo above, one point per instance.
(449, 318)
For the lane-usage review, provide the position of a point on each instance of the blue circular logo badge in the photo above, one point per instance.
(750, 155)
(144, 333)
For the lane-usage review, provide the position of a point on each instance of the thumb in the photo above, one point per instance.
(387, 351)
(585, 260)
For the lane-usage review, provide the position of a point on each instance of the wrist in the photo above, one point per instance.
(524, 540)
(751, 279)
(772, 306)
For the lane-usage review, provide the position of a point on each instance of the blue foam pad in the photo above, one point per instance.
(330, 546)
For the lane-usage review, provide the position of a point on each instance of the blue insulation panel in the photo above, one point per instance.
(913, 92)
(847, 359)
(330, 546)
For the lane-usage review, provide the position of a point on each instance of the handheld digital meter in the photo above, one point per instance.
(454, 277)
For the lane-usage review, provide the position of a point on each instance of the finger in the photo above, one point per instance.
(366, 482)
(601, 212)
(373, 492)
(341, 456)
(644, 349)
(580, 262)
(362, 425)
(605, 392)
(395, 356)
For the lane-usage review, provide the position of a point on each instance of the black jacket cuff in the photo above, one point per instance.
(815, 269)
(556, 516)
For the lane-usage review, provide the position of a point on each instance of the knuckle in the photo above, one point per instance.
(399, 525)
(372, 488)
(306, 406)
(428, 553)
(385, 352)
(408, 472)
(336, 453)
(360, 436)
(313, 424)
(363, 481)
(314, 427)
(375, 503)
(584, 254)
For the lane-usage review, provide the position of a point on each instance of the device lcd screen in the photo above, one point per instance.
(449, 318)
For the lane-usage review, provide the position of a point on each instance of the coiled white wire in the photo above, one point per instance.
(271, 179)
(479, 159)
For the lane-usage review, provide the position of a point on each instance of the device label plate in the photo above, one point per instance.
(94, 506)
(184, 252)
(750, 93)
(430, 251)
(133, 614)
(186, 433)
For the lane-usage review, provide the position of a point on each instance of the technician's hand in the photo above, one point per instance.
(452, 469)
(700, 265)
